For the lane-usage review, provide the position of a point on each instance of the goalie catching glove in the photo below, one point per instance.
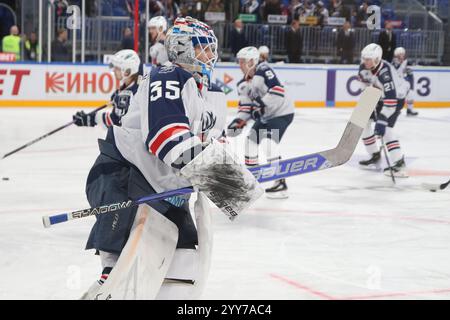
(225, 181)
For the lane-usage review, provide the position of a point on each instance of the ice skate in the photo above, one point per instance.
(411, 113)
(278, 190)
(398, 169)
(373, 163)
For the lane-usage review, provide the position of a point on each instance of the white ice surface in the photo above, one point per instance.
(343, 232)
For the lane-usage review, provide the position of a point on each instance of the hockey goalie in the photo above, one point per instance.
(167, 140)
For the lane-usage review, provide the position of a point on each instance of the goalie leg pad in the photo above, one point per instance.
(188, 273)
(145, 259)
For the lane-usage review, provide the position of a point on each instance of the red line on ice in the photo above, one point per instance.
(326, 296)
(302, 287)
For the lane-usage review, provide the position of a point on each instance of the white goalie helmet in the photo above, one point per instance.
(159, 22)
(249, 54)
(127, 61)
(181, 40)
(400, 51)
(372, 52)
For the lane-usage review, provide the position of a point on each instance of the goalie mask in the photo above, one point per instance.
(192, 45)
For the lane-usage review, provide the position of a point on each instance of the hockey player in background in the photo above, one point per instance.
(127, 68)
(262, 99)
(166, 141)
(381, 74)
(157, 27)
(404, 70)
(264, 54)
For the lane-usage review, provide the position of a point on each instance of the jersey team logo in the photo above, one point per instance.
(223, 85)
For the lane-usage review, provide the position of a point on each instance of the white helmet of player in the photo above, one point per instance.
(192, 45)
(263, 53)
(126, 62)
(249, 54)
(400, 52)
(263, 50)
(248, 60)
(371, 56)
(159, 22)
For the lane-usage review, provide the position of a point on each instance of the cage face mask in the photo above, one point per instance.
(193, 45)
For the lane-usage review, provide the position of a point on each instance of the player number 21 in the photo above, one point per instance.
(172, 90)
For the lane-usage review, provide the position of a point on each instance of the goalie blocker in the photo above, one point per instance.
(225, 181)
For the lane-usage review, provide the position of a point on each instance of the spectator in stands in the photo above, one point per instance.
(345, 44)
(295, 8)
(271, 7)
(251, 7)
(337, 9)
(216, 6)
(322, 14)
(127, 40)
(155, 8)
(232, 9)
(171, 10)
(194, 8)
(388, 42)
(264, 54)
(31, 47)
(308, 9)
(60, 8)
(294, 42)
(11, 43)
(361, 15)
(238, 39)
(61, 50)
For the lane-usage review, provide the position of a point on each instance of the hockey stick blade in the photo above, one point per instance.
(435, 187)
(264, 173)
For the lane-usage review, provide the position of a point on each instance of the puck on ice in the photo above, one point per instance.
(5, 178)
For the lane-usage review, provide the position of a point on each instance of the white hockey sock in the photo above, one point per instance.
(393, 146)
(251, 152)
(369, 139)
(272, 150)
(410, 105)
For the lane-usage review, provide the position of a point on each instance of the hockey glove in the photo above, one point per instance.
(235, 127)
(83, 119)
(257, 110)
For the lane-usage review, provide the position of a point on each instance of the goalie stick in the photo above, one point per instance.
(435, 187)
(49, 133)
(268, 172)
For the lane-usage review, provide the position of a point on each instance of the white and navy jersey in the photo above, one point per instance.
(245, 102)
(404, 70)
(121, 100)
(168, 120)
(158, 54)
(266, 87)
(386, 78)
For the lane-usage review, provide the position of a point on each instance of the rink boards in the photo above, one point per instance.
(89, 85)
